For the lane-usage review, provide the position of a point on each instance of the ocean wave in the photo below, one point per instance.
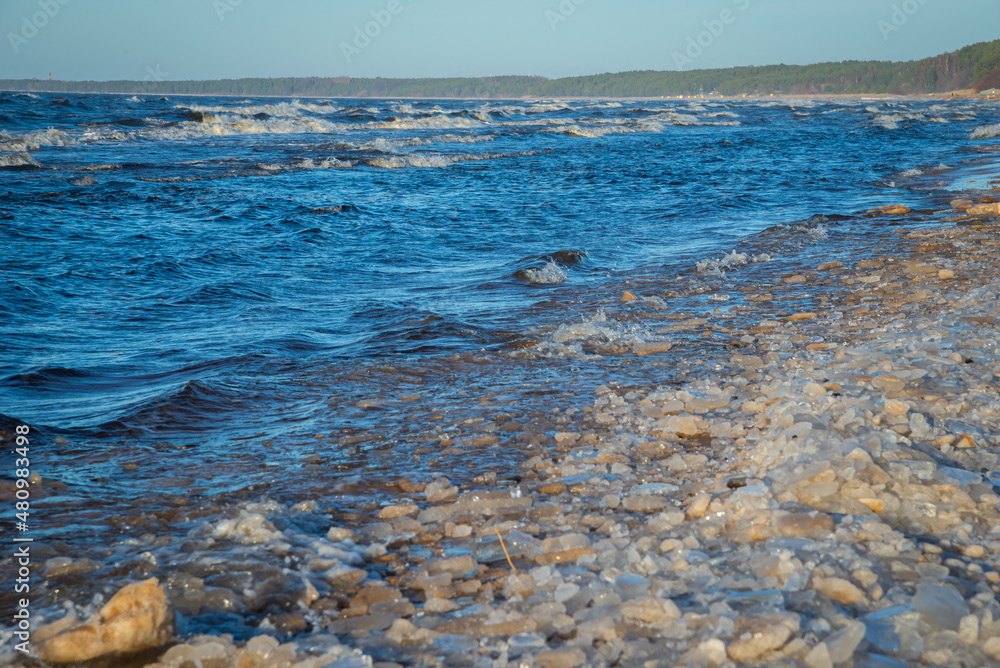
(594, 338)
(437, 160)
(550, 274)
(986, 132)
(439, 122)
(403, 161)
(327, 163)
(293, 109)
(892, 120)
(714, 267)
(33, 141)
(18, 160)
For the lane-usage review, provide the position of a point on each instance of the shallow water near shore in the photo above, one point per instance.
(214, 303)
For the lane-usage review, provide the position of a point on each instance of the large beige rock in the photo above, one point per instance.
(649, 610)
(992, 209)
(756, 636)
(840, 590)
(137, 618)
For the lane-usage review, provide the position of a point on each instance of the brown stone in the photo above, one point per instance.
(137, 618)
(756, 636)
(800, 524)
(839, 590)
(892, 210)
(392, 512)
(876, 505)
(984, 210)
(629, 297)
(566, 556)
(564, 657)
(698, 506)
(644, 504)
(647, 349)
(649, 610)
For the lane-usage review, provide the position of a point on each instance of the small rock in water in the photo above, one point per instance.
(839, 590)
(566, 657)
(629, 297)
(138, 617)
(841, 645)
(756, 636)
(940, 605)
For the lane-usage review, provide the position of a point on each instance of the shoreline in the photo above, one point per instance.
(966, 95)
(829, 492)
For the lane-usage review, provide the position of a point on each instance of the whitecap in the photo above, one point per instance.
(986, 132)
(18, 160)
(550, 274)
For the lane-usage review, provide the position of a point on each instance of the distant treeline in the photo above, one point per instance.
(976, 66)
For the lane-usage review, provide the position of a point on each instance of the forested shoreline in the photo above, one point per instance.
(974, 67)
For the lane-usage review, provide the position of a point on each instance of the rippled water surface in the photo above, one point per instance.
(216, 299)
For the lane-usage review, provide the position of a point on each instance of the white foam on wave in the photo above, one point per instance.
(907, 173)
(817, 232)
(439, 122)
(550, 274)
(453, 139)
(33, 141)
(134, 98)
(18, 160)
(291, 109)
(887, 121)
(403, 161)
(219, 125)
(890, 120)
(715, 266)
(986, 132)
(328, 163)
(597, 333)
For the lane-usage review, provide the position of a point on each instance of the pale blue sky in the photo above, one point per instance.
(212, 39)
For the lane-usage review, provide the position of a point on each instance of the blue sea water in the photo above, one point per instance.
(206, 295)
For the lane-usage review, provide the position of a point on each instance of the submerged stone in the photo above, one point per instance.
(137, 618)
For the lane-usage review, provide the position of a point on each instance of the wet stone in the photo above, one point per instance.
(565, 657)
(756, 636)
(941, 605)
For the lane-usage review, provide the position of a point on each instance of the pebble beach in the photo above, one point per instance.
(825, 496)
(680, 419)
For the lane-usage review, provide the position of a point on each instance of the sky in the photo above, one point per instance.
(218, 39)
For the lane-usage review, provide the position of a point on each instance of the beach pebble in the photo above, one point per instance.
(941, 605)
(565, 657)
(138, 617)
(758, 635)
(839, 590)
(841, 644)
